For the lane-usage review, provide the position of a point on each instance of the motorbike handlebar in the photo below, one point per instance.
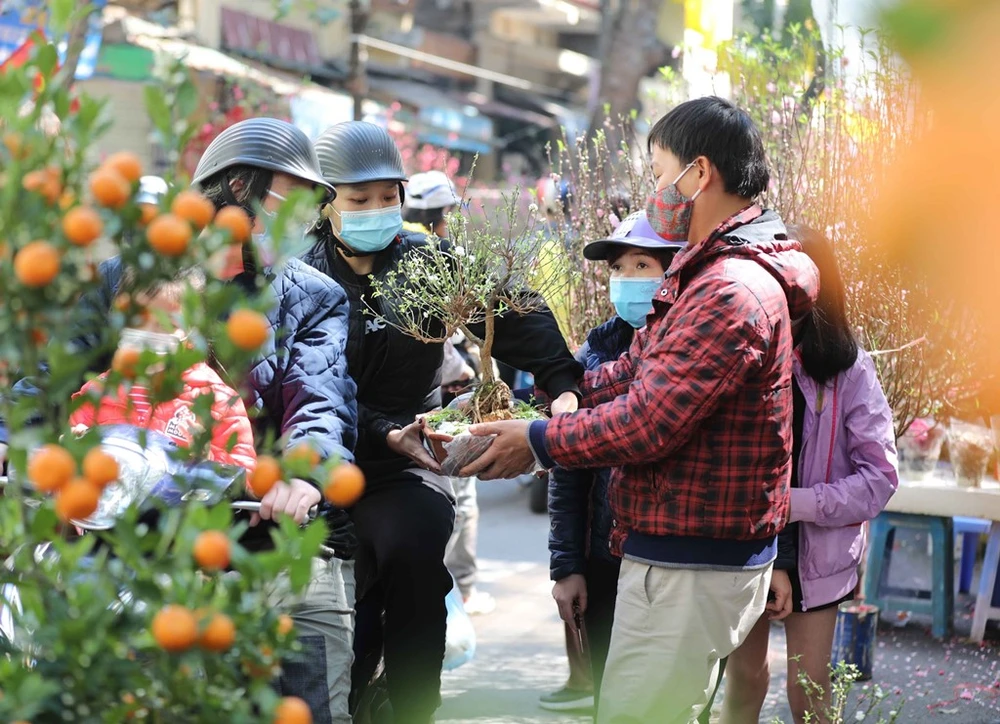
(253, 506)
(247, 506)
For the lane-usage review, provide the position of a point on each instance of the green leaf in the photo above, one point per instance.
(44, 523)
(46, 59)
(299, 573)
(62, 11)
(220, 517)
(187, 99)
(313, 537)
(159, 111)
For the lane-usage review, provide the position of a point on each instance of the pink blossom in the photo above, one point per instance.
(237, 93)
(771, 88)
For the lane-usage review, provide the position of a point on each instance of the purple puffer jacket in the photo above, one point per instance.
(847, 473)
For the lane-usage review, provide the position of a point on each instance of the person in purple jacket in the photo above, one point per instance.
(843, 474)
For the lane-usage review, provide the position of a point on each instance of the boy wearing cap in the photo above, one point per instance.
(581, 562)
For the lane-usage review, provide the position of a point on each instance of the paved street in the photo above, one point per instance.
(520, 646)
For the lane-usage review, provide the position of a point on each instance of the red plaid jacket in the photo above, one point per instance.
(696, 417)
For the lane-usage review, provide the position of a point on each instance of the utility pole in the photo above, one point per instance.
(357, 82)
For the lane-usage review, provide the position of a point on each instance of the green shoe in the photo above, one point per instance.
(567, 699)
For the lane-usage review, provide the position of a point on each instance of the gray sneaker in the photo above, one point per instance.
(567, 699)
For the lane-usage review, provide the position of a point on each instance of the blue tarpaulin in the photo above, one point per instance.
(19, 19)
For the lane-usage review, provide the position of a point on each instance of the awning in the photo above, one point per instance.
(439, 118)
(454, 142)
(574, 120)
(274, 42)
(150, 36)
(498, 109)
(312, 105)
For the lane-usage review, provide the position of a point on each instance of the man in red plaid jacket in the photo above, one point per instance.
(695, 419)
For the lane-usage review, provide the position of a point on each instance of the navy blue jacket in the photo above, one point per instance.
(578, 499)
(299, 386)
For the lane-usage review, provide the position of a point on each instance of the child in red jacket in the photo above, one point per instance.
(130, 404)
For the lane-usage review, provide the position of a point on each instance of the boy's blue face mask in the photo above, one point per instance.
(633, 298)
(369, 232)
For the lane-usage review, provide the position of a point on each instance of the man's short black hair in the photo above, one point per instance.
(726, 135)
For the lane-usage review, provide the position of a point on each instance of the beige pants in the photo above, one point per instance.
(672, 627)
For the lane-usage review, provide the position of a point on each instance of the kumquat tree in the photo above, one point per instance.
(166, 621)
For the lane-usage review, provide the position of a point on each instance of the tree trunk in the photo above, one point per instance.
(630, 51)
(357, 82)
(486, 351)
(75, 43)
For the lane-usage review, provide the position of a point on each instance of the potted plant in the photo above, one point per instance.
(969, 445)
(920, 447)
(493, 265)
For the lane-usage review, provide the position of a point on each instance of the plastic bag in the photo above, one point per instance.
(462, 450)
(460, 636)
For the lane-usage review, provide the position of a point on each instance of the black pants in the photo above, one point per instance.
(403, 528)
(602, 591)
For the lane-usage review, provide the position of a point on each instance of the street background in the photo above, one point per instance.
(519, 654)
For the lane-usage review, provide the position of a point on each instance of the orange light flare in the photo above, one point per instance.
(939, 208)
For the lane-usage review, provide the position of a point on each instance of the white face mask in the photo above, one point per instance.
(263, 242)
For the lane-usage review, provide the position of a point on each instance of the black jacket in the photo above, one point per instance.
(579, 513)
(408, 380)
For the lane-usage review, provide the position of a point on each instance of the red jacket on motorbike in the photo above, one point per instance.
(176, 418)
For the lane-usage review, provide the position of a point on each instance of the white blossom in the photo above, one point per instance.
(459, 251)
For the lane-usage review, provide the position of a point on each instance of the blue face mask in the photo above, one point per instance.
(633, 298)
(369, 232)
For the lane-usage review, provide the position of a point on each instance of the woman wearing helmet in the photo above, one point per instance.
(403, 527)
(429, 198)
(299, 384)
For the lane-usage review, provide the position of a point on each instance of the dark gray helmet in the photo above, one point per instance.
(263, 143)
(356, 152)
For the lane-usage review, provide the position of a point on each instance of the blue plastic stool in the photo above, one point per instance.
(970, 529)
(939, 602)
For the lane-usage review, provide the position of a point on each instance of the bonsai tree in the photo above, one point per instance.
(494, 264)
